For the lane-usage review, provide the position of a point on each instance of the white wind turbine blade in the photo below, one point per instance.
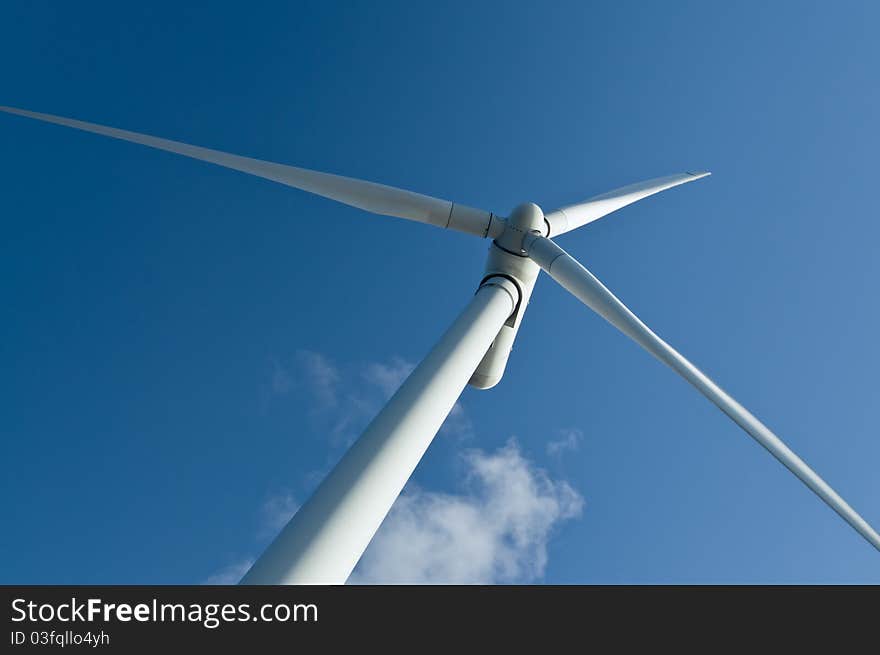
(566, 270)
(574, 216)
(369, 196)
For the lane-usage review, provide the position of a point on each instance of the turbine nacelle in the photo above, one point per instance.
(507, 259)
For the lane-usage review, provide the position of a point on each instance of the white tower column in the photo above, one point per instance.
(324, 540)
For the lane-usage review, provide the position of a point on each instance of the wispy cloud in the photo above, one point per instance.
(495, 533)
(569, 440)
(281, 382)
(322, 377)
(231, 574)
(277, 510)
(387, 377)
(458, 423)
(344, 400)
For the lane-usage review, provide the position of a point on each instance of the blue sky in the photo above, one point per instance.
(186, 350)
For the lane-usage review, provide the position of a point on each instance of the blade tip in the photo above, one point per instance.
(698, 174)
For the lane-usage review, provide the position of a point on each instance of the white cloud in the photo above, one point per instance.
(569, 439)
(230, 574)
(495, 533)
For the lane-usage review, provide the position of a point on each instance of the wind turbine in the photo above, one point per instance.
(324, 540)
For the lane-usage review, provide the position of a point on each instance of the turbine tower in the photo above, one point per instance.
(324, 540)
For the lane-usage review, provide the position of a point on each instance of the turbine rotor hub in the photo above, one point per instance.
(526, 218)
